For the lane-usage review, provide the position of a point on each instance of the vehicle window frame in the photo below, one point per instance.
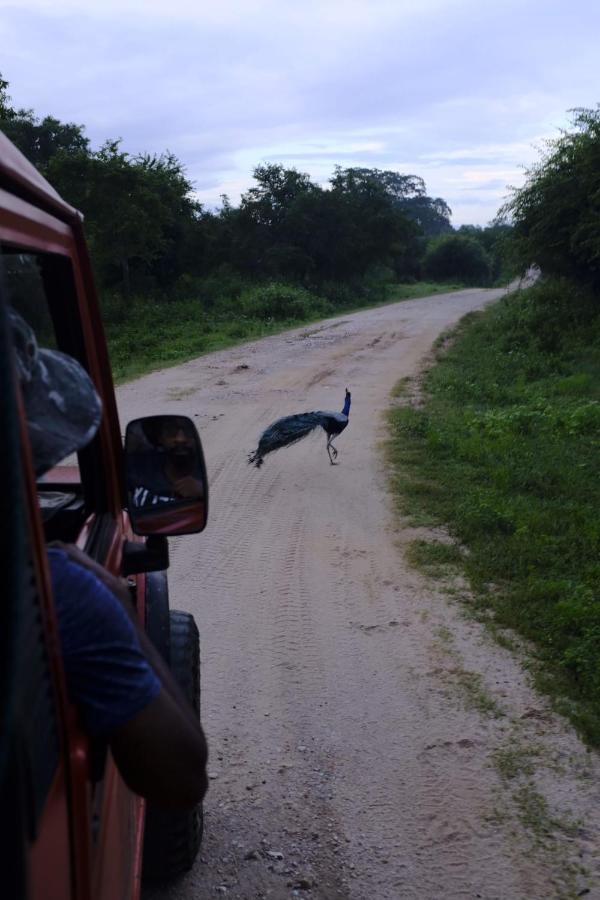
(57, 272)
(40, 701)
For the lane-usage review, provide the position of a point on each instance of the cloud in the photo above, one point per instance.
(452, 90)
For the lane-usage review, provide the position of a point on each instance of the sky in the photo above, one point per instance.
(463, 93)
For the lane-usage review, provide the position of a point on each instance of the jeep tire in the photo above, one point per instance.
(172, 837)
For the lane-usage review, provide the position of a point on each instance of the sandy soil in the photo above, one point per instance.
(368, 741)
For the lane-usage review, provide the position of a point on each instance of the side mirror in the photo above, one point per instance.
(165, 473)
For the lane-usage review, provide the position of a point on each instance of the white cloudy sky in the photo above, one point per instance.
(460, 92)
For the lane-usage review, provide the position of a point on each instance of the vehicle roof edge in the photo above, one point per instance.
(19, 176)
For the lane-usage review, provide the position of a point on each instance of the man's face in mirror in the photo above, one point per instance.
(175, 438)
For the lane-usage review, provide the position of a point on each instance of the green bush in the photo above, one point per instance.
(545, 316)
(556, 212)
(377, 282)
(453, 256)
(342, 294)
(281, 302)
(210, 290)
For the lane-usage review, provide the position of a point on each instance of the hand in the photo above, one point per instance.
(188, 486)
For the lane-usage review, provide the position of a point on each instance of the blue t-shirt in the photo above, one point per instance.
(108, 677)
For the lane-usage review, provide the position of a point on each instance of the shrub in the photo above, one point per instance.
(377, 280)
(454, 256)
(546, 314)
(279, 302)
(555, 213)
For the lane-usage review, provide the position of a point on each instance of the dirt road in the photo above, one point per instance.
(368, 741)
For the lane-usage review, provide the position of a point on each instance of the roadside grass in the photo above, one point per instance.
(434, 557)
(502, 451)
(516, 760)
(147, 334)
(517, 764)
(476, 696)
(155, 335)
(468, 685)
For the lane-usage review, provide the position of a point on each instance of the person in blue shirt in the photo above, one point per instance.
(123, 690)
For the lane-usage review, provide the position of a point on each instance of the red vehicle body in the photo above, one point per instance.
(75, 830)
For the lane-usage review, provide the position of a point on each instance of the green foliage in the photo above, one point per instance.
(289, 228)
(544, 317)
(421, 289)
(371, 230)
(207, 314)
(6, 111)
(279, 302)
(495, 240)
(149, 334)
(344, 244)
(504, 453)
(556, 212)
(42, 139)
(146, 232)
(135, 207)
(456, 256)
(39, 139)
(408, 194)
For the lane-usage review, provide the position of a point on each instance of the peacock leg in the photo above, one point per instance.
(329, 445)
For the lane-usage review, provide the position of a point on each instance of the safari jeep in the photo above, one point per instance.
(71, 829)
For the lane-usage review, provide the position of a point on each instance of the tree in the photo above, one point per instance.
(138, 210)
(39, 139)
(134, 207)
(557, 211)
(408, 193)
(495, 240)
(6, 110)
(270, 229)
(377, 232)
(455, 256)
(268, 203)
(432, 214)
(145, 229)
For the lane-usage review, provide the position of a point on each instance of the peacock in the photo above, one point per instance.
(290, 429)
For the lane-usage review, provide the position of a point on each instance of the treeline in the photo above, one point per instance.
(149, 235)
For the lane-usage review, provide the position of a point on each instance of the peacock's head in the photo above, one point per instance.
(346, 409)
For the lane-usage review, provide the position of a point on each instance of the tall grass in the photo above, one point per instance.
(504, 452)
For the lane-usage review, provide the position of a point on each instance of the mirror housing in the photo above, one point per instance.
(165, 474)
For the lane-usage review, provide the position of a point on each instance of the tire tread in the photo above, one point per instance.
(173, 837)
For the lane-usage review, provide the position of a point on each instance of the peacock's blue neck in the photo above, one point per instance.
(346, 409)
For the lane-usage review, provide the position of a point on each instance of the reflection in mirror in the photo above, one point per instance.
(166, 476)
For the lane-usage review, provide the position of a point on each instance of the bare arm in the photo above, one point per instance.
(160, 756)
(161, 752)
